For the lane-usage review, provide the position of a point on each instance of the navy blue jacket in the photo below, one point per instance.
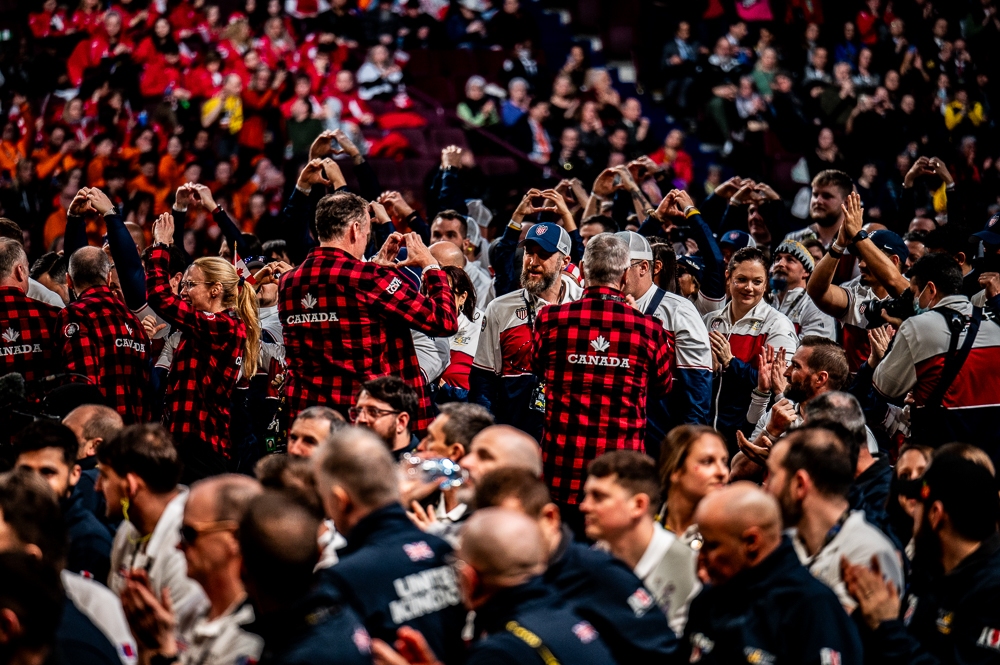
(603, 590)
(80, 642)
(953, 618)
(536, 608)
(394, 574)
(89, 541)
(775, 612)
(321, 629)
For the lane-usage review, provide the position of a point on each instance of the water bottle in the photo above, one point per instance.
(430, 469)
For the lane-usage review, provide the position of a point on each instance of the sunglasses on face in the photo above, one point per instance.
(190, 532)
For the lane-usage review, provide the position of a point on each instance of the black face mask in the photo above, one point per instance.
(927, 549)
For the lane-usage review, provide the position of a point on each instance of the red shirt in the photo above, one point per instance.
(345, 321)
(206, 363)
(600, 360)
(25, 334)
(100, 338)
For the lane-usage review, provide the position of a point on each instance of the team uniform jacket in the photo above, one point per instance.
(690, 398)
(534, 612)
(915, 361)
(602, 590)
(953, 618)
(463, 345)
(805, 315)
(393, 574)
(206, 364)
(762, 325)
(855, 341)
(501, 378)
(346, 321)
(321, 629)
(775, 612)
(100, 338)
(600, 360)
(26, 328)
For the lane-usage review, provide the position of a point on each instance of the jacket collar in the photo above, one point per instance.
(746, 582)
(605, 292)
(389, 519)
(102, 291)
(986, 550)
(508, 603)
(757, 313)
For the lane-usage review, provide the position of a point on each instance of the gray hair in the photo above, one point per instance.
(322, 413)
(605, 260)
(11, 255)
(464, 422)
(841, 413)
(89, 266)
(358, 461)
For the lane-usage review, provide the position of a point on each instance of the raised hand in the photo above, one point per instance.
(151, 327)
(377, 211)
(334, 176)
(451, 157)
(558, 201)
(764, 368)
(80, 203)
(163, 228)
(778, 379)
(99, 201)
(853, 215)
(782, 417)
(396, 205)
(346, 143)
(183, 197)
(390, 249)
(879, 339)
(312, 174)
(203, 195)
(322, 146)
(417, 253)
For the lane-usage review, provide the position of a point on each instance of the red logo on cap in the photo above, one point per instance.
(541, 230)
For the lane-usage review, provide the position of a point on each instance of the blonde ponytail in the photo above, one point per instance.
(243, 300)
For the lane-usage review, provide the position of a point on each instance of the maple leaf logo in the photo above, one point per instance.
(600, 344)
(10, 335)
(128, 328)
(308, 302)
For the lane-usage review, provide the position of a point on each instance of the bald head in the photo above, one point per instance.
(229, 495)
(447, 254)
(503, 546)
(502, 446)
(92, 424)
(89, 267)
(740, 526)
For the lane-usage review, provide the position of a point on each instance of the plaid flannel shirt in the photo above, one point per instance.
(345, 321)
(99, 337)
(206, 363)
(26, 328)
(600, 359)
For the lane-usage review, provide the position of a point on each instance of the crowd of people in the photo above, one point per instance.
(699, 392)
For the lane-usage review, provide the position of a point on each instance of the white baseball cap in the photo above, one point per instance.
(638, 246)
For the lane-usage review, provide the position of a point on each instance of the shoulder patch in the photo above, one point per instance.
(585, 632)
(71, 329)
(362, 640)
(828, 656)
(394, 285)
(483, 328)
(419, 551)
(640, 601)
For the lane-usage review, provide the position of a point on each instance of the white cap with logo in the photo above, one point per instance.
(638, 246)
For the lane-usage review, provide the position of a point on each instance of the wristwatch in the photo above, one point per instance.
(861, 235)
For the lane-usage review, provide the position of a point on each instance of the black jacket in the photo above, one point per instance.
(394, 574)
(602, 590)
(89, 541)
(320, 629)
(514, 618)
(775, 612)
(953, 618)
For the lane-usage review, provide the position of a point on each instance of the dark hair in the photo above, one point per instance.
(939, 268)
(677, 446)
(454, 216)
(278, 542)
(513, 483)
(633, 470)
(148, 452)
(607, 223)
(47, 434)
(840, 413)
(666, 279)
(294, 477)
(32, 589)
(10, 229)
(465, 421)
(395, 392)
(823, 455)
(968, 493)
(52, 264)
(828, 356)
(272, 247)
(916, 236)
(460, 283)
(336, 211)
(178, 259)
(332, 416)
(951, 239)
(748, 254)
(29, 506)
(834, 178)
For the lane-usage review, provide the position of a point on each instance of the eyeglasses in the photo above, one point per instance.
(190, 533)
(188, 284)
(370, 412)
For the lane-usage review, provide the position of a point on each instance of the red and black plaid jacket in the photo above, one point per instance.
(346, 321)
(99, 337)
(26, 328)
(206, 363)
(600, 359)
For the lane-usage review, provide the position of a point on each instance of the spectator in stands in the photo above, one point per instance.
(477, 109)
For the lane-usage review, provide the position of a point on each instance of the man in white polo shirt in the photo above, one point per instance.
(810, 474)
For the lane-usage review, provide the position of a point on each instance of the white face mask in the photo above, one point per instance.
(917, 309)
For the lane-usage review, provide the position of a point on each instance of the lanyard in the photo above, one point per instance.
(533, 641)
(830, 535)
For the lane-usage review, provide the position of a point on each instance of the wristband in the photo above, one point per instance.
(515, 225)
(432, 266)
(218, 209)
(759, 393)
(113, 211)
(161, 244)
(691, 210)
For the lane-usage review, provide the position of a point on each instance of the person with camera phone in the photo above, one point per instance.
(946, 352)
(857, 304)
